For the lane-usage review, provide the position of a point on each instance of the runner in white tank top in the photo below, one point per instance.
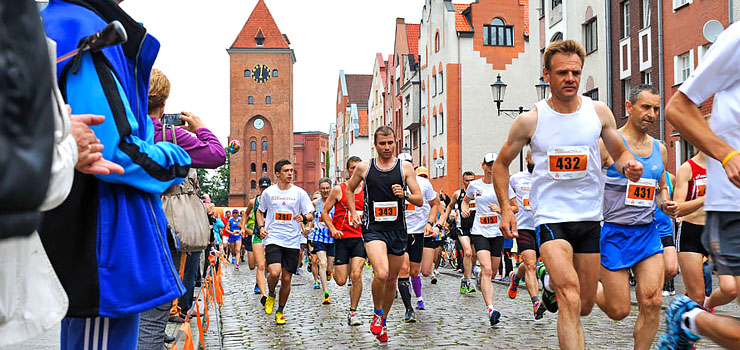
(567, 187)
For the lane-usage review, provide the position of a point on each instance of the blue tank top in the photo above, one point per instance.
(663, 222)
(320, 232)
(234, 224)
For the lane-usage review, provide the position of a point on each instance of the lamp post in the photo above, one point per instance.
(498, 90)
(338, 175)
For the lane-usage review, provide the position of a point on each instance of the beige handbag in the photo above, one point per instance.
(185, 212)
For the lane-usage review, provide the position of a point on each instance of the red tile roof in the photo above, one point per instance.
(358, 88)
(412, 35)
(525, 12)
(260, 20)
(461, 23)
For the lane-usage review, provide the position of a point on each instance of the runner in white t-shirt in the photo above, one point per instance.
(485, 234)
(718, 75)
(288, 207)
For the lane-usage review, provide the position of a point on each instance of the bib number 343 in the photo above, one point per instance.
(385, 211)
(567, 162)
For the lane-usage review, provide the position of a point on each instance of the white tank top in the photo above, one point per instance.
(567, 183)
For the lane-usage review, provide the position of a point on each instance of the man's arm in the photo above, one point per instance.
(357, 176)
(625, 161)
(409, 175)
(665, 203)
(334, 196)
(434, 204)
(448, 210)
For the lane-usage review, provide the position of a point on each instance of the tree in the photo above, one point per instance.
(216, 184)
(328, 164)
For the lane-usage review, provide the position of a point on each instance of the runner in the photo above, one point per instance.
(463, 231)
(246, 219)
(420, 226)
(666, 229)
(349, 250)
(289, 206)
(716, 75)
(629, 236)
(233, 227)
(521, 183)
(313, 259)
(322, 242)
(485, 235)
(257, 248)
(384, 230)
(567, 187)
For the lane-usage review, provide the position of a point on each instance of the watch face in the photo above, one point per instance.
(261, 73)
(258, 123)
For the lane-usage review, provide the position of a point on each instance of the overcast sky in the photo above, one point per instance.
(327, 36)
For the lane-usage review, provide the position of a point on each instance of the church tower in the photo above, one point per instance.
(261, 74)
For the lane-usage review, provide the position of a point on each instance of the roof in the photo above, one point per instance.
(461, 23)
(358, 88)
(412, 36)
(382, 66)
(260, 22)
(381, 62)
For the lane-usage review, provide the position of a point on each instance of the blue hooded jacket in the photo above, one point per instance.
(108, 240)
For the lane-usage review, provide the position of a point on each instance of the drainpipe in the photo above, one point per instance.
(608, 32)
(661, 83)
(729, 7)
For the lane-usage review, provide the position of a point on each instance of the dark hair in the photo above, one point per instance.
(353, 159)
(383, 130)
(324, 179)
(468, 173)
(280, 164)
(636, 91)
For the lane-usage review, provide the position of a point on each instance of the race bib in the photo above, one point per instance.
(489, 220)
(471, 204)
(409, 207)
(567, 162)
(385, 211)
(283, 215)
(349, 218)
(701, 187)
(641, 193)
(525, 203)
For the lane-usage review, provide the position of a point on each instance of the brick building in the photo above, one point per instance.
(406, 43)
(352, 139)
(261, 96)
(309, 159)
(376, 101)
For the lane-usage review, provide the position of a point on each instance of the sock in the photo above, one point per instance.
(280, 308)
(378, 312)
(489, 308)
(706, 300)
(416, 283)
(516, 278)
(352, 310)
(535, 299)
(547, 284)
(384, 321)
(688, 320)
(418, 299)
(272, 293)
(404, 289)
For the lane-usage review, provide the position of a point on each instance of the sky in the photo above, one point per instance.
(326, 35)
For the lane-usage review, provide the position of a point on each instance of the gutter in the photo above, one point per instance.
(609, 92)
(729, 7)
(661, 83)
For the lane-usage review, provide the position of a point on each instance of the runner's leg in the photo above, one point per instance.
(587, 267)
(394, 266)
(323, 263)
(692, 273)
(468, 256)
(564, 280)
(428, 260)
(527, 269)
(648, 274)
(355, 291)
(726, 293)
(259, 257)
(285, 278)
(378, 256)
(671, 262)
(486, 273)
(613, 293)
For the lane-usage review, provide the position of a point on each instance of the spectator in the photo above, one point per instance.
(106, 241)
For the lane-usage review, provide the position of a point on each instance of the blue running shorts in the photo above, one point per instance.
(623, 246)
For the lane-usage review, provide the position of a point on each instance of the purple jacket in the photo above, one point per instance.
(205, 150)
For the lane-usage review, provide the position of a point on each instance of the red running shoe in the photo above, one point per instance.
(376, 326)
(383, 336)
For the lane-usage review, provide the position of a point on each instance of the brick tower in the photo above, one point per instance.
(261, 73)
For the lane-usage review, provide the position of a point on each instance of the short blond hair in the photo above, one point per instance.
(159, 90)
(568, 47)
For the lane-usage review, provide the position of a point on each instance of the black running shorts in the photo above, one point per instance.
(395, 240)
(415, 247)
(347, 248)
(583, 236)
(287, 257)
(688, 238)
(527, 241)
(495, 245)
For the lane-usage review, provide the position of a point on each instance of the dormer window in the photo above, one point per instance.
(260, 38)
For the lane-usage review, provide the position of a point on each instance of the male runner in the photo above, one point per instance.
(289, 207)
(485, 235)
(432, 243)
(257, 248)
(629, 236)
(717, 75)
(233, 227)
(521, 183)
(463, 225)
(567, 187)
(384, 228)
(322, 241)
(419, 225)
(349, 249)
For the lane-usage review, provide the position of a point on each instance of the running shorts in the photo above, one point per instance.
(668, 241)
(415, 247)
(722, 239)
(286, 257)
(235, 238)
(432, 242)
(325, 247)
(582, 236)
(622, 246)
(527, 241)
(256, 239)
(688, 239)
(395, 240)
(495, 245)
(247, 242)
(347, 248)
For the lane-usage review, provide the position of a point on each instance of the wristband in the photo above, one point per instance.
(728, 157)
(623, 171)
(430, 224)
(438, 226)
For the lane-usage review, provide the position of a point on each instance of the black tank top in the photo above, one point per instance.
(465, 223)
(383, 211)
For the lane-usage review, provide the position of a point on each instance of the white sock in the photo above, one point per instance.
(489, 308)
(547, 284)
(419, 299)
(688, 320)
(706, 300)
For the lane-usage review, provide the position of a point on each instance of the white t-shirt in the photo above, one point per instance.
(486, 221)
(281, 228)
(719, 74)
(417, 217)
(521, 183)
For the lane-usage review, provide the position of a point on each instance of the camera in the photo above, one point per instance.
(173, 119)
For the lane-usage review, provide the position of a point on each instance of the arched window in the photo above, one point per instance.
(264, 145)
(274, 73)
(264, 167)
(247, 73)
(556, 37)
(251, 100)
(498, 33)
(253, 145)
(253, 167)
(268, 100)
(253, 184)
(436, 42)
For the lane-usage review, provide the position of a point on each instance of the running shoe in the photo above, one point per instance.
(376, 326)
(308, 267)
(666, 293)
(675, 337)
(263, 300)
(269, 304)
(548, 297)
(352, 319)
(539, 310)
(316, 285)
(463, 286)
(410, 316)
(383, 336)
(434, 278)
(513, 286)
(257, 289)
(233, 260)
(494, 317)
(328, 276)
(279, 318)
(471, 287)
(420, 304)
(236, 266)
(298, 271)
(436, 272)
(327, 299)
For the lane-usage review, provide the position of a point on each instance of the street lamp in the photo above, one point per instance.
(543, 89)
(338, 175)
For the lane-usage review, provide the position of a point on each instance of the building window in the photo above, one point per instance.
(434, 84)
(436, 42)
(679, 3)
(253, 145)
(264, 145)
(645, 13)
(556, 3)
(625, 19)
(441, 120)
(627, 88)
(592, 94)
(268, 100)
(251, 100)
(253, 184)
(434, 125)
(274, 73)
(323, 157)
(264, 167)
(247, 73)
(590, 38)
(647, 77)
(556, 37)
(441, 82)
(684, 67)
(253, 167)
(498, 33)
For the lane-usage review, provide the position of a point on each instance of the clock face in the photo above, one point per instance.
(258, 123)
(261, 73)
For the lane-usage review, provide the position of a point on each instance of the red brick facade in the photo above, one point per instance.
(309, 159)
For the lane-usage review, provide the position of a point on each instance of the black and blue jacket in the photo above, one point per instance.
(108, 240)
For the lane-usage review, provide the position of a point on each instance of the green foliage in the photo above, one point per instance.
(216, 183)
(328, 164)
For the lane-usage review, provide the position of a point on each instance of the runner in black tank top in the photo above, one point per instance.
(383, 222)
(467, 283)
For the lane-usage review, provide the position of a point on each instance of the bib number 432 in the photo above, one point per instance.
(567, 162)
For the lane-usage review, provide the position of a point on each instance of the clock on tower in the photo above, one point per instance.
(261, 73)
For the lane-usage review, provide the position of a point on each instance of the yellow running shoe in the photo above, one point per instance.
(269, 304)
(279, 318)
(327, 299)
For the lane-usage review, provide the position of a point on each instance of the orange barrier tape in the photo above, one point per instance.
(199, 323)
(205, 307)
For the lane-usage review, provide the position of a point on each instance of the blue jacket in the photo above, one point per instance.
(108, 240)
